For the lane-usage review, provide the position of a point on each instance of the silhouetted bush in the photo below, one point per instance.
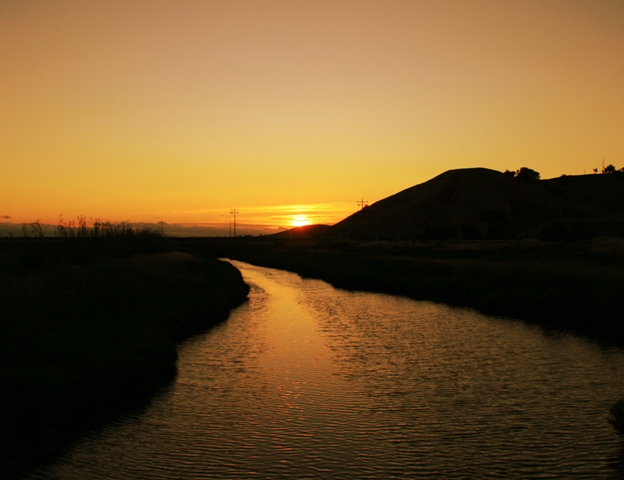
(32, 230)
(527, 175)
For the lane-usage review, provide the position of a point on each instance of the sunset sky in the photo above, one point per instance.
(183, 110)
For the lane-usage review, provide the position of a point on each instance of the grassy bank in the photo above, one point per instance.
(576, 287)
(81, 341)
(571, 286)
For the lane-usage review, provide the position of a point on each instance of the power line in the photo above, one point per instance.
(363, 203)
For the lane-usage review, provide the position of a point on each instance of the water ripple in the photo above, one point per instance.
(307, 381)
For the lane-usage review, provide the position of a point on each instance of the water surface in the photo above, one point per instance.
(307, 381)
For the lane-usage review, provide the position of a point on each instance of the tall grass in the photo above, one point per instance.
(101, 236)
(82, 228)
(81, 340)
(33, 230)
(541, 283)
(84, 241)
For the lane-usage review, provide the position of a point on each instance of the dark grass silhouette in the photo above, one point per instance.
(573, 286)
(88, 331)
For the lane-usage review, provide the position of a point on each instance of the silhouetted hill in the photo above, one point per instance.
(603, 194)
(307, 231)
(476, 203)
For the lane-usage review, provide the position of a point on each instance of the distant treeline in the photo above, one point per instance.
(529, 175)
(577, 286)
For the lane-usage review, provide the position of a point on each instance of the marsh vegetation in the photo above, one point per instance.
(92, 317)
(90, 325)
(573, 287)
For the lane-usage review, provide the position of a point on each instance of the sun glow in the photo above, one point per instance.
(302, 109)
(300, 220)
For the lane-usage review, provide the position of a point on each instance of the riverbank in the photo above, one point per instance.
(81, 342)
(366, 386)
(575, 287)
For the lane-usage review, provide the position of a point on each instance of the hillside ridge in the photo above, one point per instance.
(480, 203)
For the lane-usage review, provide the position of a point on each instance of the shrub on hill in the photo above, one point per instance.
(610, 169)
(527, 175)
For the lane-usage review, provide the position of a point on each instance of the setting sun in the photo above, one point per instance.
(300, 221)
(183, 111)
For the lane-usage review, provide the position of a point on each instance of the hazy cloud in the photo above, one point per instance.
(207, 229)
(215, 230)
(8, 228)
(272, 216)
(6, 217)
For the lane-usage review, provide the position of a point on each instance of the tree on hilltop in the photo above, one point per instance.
(612, 169)
(527, 175)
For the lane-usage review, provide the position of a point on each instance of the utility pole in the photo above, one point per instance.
(234, 212)
(363, 203)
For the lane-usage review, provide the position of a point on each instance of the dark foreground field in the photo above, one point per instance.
(82, 341)
(85, 334)
(575, 286)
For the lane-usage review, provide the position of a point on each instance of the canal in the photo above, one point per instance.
(308, 381)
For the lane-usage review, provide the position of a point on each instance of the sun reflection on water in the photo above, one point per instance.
(307, 381)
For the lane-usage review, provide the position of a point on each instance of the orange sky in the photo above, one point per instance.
(183, 110)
